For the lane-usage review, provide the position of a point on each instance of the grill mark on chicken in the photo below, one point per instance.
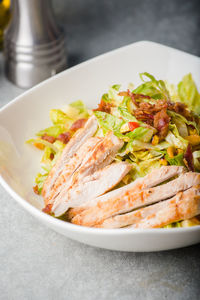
(91, 186)
(74, 144)
(95, 160)
(156, 177)
(130, 200)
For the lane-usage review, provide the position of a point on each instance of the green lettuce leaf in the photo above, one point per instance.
(175, 139)
(39, 180)
(109, 122)
(57, 116)
(124, 111)
(46, 158)
(43, 142)
(196, 158)
(137, 145)
(188, 93)
(177, 160)
(186, 223)
(54, 131)
(143, 168)
(156, 89)
(80, 107)
(76, 110)
(113, 96)
(140, 133)
(177, 118)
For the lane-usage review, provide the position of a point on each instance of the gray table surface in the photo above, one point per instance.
(37, 263)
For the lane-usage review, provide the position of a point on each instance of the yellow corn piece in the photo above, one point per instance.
(194, 139)
(192, 131)
(170, 151)
(155, 140)
(39, 146)
(179, 151)
(163, 162)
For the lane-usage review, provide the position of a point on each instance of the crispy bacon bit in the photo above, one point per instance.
(78, 124)
(137, 96)
(48, 138)
(35, 189)
(188, 159)
(161, 123)
(51, 156)
(180, 108)
(123, 93)
(146, 111)
(47, 209)
(104, 107)
(64, 137)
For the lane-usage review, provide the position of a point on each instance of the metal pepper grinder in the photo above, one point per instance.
(34, 45)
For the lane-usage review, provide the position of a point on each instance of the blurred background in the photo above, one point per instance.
(94, 27)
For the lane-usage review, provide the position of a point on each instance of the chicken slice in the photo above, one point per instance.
(92, 186)
(74, 144)
(102, 155)
(129, 200)
(152, 179)
(70, 167)
(159, 214)
(183, 206)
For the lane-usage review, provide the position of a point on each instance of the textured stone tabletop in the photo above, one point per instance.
(37, 263)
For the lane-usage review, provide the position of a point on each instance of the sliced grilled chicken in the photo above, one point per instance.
(183, 206)
(129, 200)
(156, 177)
(102, 155)
(92, 186)
(159, 214)
(74, 144)
(71, 166)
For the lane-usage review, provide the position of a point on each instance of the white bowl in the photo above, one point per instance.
(28, 113)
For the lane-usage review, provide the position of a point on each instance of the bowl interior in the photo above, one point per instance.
(22, 118)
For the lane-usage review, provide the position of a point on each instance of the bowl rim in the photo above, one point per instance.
(73, 227)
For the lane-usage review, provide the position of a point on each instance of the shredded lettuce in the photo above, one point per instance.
(137, 145)
(145, 167)
(54, 131)
(177, 160)
(175, 139)
(188, 93)
(80, 108)
(124, 111)
(76, 110)
(186, 223)
(182, 120)
(112, 95)
(43, 142)
(112, 123)
(39, 180)
(156, 89)
(196, 158)
(109, 122)
(57, 116)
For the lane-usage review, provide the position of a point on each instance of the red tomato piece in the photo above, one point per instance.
(133, 125)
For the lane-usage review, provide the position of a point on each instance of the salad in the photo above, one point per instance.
(158, 124)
